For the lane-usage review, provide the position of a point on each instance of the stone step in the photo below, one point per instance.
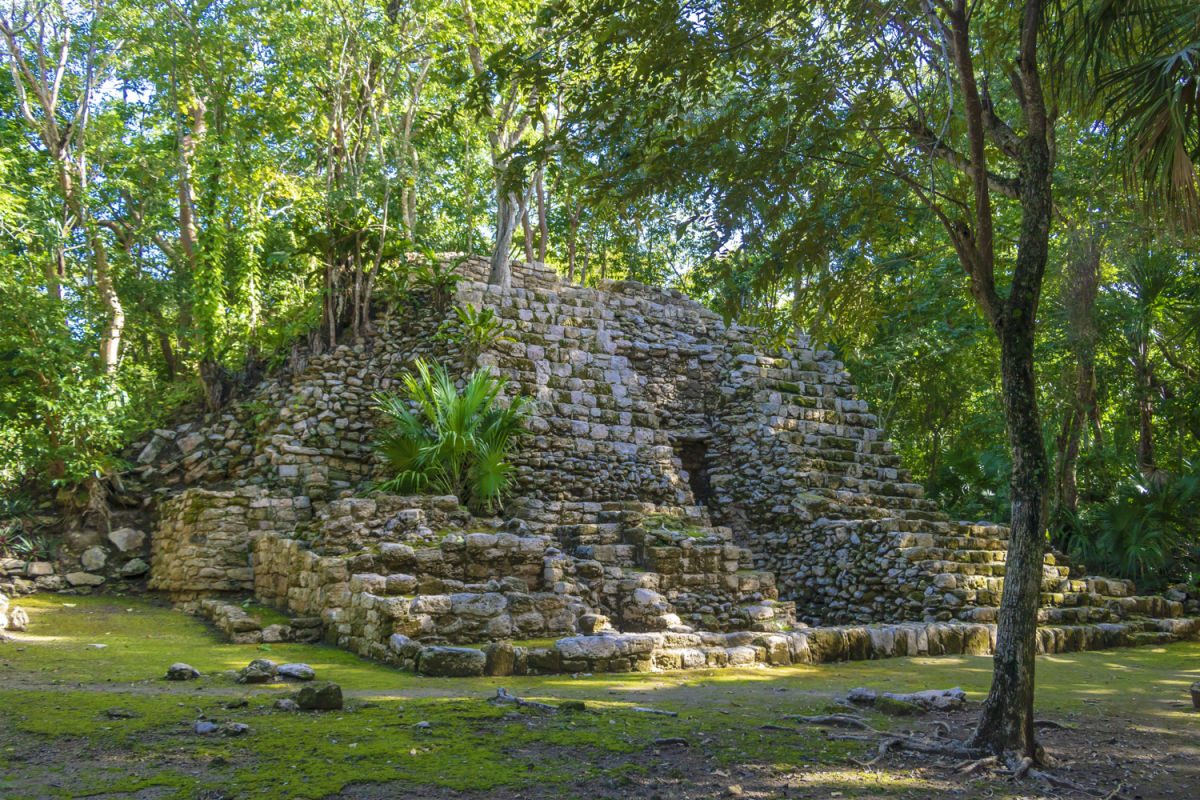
(621, 555)
(970, 558)
(593, 533)
(941, 541)
(1071, 607)
(878, 489)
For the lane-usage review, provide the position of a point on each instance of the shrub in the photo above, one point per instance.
(473, 331)
(1147, 532)
(439, 277)
(455, 442)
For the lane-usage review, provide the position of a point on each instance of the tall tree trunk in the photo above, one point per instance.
(110, 340)
(584, 268)
(526, 228)
(508, 206)
(1082, 286)
(543, 223)
(1007, 720)
(572, 234)
(1066, 451)
(1144, 375)
(1006, 723)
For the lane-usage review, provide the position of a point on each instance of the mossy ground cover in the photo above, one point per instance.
(81, 720)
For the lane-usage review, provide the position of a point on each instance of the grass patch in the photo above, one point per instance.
(57, 691)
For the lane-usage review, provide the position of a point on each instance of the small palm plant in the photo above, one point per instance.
(473, 331)
(455, 442)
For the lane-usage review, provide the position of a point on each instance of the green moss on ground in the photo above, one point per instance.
(57, 691)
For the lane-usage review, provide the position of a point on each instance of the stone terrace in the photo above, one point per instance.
(683, 484)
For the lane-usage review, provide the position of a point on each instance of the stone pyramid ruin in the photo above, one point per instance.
(688, 497)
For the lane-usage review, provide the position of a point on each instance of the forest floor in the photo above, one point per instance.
(82, 720)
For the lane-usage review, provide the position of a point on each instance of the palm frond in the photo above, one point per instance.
(456, 441)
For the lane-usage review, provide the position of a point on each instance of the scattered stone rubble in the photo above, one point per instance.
(687, 498)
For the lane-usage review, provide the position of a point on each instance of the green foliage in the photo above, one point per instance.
(1150, 531)
(438, 277)
(19, 534)
(456, 442)
(474, 331)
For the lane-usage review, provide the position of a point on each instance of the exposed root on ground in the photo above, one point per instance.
(837, 720)
(973, 760)
(884, 747)
(971, 767)
(503, 696)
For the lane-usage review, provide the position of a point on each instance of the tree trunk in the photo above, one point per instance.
(110, 341)
(526, 229)
(1144, 374)
(168, 353)
(507, 207)
(1006, 724)
(573, 232)
(543, 223)
(1066, 445)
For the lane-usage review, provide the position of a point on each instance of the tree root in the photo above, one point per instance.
(973, 759)
(1063, 783)
(655, 711)
(503, 696)
(971, 767)
(884, 747)
(837, 720)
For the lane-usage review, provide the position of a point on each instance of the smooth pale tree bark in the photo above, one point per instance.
(543, 222)
(527, 227)
(509, 124)
(508, 207)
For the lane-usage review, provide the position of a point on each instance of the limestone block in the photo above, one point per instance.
(127, 539)
(454, 662)
(93, 559)
(478, 605)
(84, 579)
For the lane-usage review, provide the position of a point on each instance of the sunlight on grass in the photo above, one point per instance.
(53, 684)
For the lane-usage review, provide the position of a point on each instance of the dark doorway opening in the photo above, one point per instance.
(693, 455)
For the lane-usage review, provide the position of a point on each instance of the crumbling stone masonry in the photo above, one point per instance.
(681, 482)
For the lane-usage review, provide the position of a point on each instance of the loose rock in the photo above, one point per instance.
(182, 672)
(260, 670)
(297, 672)
(18, 619)
(320, 696)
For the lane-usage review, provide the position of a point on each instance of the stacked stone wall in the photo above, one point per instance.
(204, 538)
(471, 588)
